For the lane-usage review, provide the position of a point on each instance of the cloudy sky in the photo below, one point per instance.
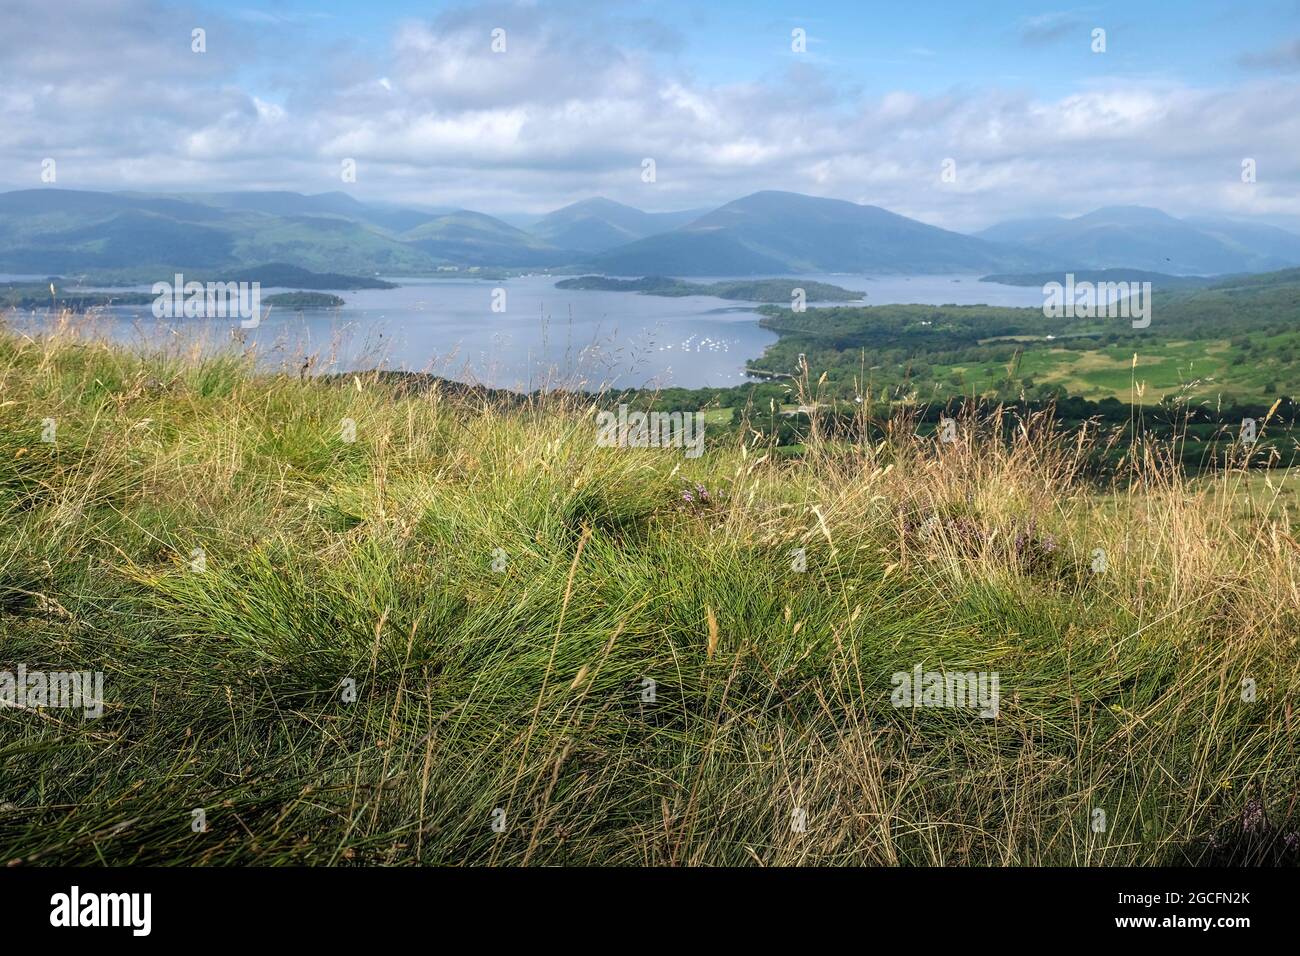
(882, 94)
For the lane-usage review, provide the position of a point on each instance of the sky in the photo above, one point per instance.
(876, 103)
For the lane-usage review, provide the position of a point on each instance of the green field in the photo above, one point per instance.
(1237, 342)
(1206, 368)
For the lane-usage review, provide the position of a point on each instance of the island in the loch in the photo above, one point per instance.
(743, 290)
(304, 300)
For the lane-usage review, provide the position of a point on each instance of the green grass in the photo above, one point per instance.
(524, 688)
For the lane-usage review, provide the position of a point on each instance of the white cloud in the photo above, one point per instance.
(568, 112)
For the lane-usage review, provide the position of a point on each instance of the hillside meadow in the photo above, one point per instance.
(355, 621)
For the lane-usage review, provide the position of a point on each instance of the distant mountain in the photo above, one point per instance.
(782, 232)
(325, 244)
(1138, 237)
(1022, 230)
(472, 238)
(595, 225)
(1273, 244)
(279, 202)
(46, 231)
(393, 218)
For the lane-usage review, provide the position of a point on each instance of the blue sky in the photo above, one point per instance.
(1035, 121)
(925, 46)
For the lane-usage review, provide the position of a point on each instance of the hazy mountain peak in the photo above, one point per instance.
(596, 203)
(1142, 237)
(1127, 215)
(598, 224)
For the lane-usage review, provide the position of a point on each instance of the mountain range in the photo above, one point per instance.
(49, 231)
(1138, 237)
(780, 232)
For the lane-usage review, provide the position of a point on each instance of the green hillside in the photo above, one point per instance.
(360, 623)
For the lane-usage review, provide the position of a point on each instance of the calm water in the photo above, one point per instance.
(545, 336)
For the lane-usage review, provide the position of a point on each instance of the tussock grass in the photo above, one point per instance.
(522, 694)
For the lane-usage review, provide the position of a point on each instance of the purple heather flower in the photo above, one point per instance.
(1252, 816)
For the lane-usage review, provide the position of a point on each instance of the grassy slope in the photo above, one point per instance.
(372, 560)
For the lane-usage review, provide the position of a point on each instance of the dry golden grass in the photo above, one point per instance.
(647, 679)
